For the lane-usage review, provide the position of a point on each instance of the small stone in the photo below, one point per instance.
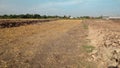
(116, 36)
(108, 42)
(114, 44)
(119, 41)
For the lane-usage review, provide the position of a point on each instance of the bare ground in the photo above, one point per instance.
(105, 36)
(58, 44)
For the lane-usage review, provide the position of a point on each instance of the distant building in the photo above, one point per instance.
(71, 17)
(109, 18)
(114, 18)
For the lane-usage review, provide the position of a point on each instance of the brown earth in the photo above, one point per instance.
(61, 44)
(57, 44)
(8, 23)
(105, 36)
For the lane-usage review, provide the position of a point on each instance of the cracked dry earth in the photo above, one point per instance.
(56, 44)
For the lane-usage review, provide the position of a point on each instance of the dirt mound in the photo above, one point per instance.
(105, 36)
(8, 23)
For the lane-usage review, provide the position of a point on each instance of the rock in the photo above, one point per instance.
(114, 44)
(108, 42)
(119, 41)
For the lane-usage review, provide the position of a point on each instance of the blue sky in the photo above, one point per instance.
(61, 7)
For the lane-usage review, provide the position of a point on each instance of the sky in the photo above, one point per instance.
(61, 7)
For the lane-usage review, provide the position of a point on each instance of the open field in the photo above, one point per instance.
(61, 44)
(55, 44)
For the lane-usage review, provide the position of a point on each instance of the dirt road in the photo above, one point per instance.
(57, 44)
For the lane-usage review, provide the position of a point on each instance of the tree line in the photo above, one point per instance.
(35, 16)
(38, 16)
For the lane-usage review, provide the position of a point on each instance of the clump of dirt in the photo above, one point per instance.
(105, 36)
(8, 23)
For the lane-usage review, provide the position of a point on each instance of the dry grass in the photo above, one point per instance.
(54, 44)
(11, 34)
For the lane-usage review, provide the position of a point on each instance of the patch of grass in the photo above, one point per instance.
(85, 26)
(88, 48)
